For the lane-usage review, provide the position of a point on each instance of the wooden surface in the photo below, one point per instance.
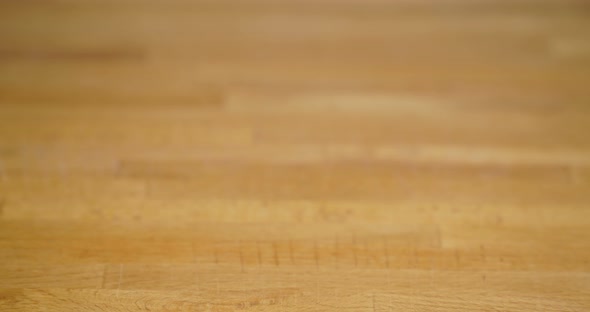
(295, 155)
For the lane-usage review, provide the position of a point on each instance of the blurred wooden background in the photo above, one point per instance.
(295, 155)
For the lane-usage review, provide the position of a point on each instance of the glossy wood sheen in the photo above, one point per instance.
(295, 155)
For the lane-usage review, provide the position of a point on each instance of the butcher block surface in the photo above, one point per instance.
(266, 155)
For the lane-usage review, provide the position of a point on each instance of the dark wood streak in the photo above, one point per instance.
(73, 55)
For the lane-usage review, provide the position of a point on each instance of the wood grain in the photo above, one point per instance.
(269, 155)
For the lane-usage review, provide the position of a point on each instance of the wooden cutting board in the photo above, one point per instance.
(295, 155)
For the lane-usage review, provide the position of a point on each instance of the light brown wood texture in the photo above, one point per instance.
(295, 155)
